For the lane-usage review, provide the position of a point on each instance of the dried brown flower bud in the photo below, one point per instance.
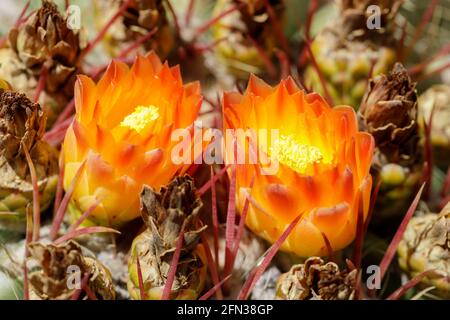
(43, 45)
(317, 280)
(140, 18)
(389, 112)
(22, 125)
(426, 246)
(53, 278)
(45, 40)
(166, 214)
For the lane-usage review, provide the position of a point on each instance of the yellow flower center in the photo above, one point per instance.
(295, 155)
(141, 117)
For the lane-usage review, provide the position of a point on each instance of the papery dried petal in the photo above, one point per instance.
(22, 125)
(166, 214)
(317, 280)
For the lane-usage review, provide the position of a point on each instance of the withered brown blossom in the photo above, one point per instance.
(426, 246)
(140, 18)
(43, 45)
(45, 40)
(54, 277)
(22, 125)
(317, 280)
(166, 214)
(389, 112)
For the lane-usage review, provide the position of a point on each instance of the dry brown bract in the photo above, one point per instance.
(389, 113)
(140, 18)
(22, 124)
(43, 45)
(54, 279)
(45, 39)
(166, 214)
(317, 280)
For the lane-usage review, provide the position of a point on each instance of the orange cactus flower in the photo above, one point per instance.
(323, 166)
(121, 134)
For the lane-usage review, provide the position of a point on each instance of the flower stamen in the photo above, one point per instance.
(296, 155)
(141, 117)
